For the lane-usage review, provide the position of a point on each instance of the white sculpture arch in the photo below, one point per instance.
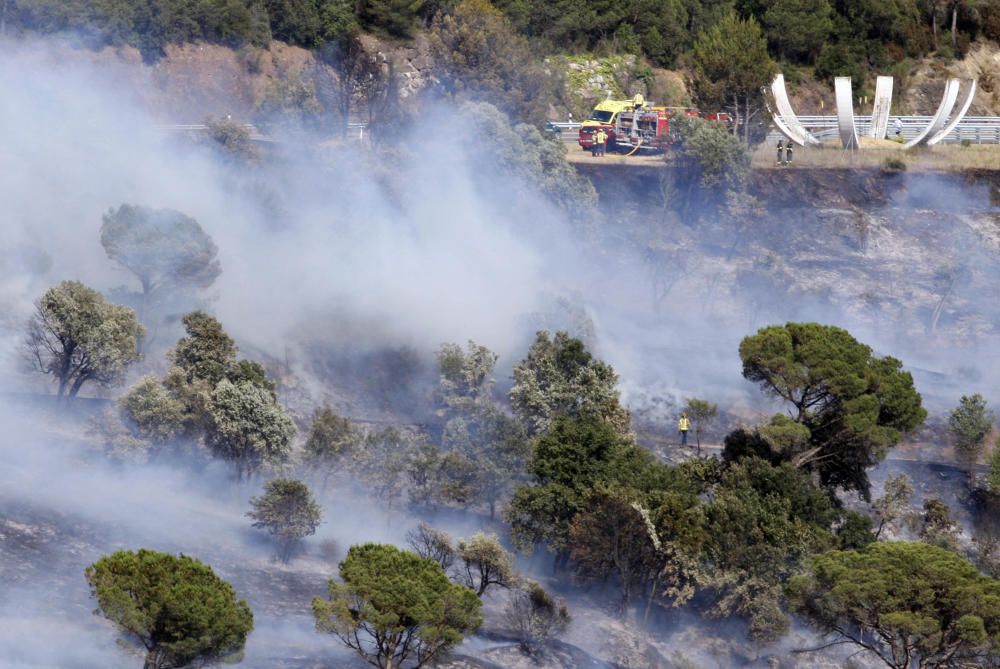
(970, 93)
(940, 116)
(942, 124)
(845, 113)
(880, 109)
(785, 119)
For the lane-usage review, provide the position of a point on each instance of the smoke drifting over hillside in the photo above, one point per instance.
(333, 244)
(330, 250)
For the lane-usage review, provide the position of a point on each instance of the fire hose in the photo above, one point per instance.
(635, 149)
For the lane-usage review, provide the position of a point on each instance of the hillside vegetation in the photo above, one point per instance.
(503, 52)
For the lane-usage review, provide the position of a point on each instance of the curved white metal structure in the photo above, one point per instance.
(785, 119)
(880, 109)
(942, 124)
(957, 118)
(845, 113)
(940, 116)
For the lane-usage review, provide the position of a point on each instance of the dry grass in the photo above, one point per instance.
(947, 158)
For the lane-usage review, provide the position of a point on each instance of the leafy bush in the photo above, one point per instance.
(893, 166)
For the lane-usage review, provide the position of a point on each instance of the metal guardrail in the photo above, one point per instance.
(255, 132)
(975, 129)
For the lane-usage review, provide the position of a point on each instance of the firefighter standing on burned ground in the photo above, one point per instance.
(781, 149)
(683, 425)
(788, 152)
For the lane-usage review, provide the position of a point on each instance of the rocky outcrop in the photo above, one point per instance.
(413, 62)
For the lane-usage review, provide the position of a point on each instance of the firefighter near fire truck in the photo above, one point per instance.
(600, 141)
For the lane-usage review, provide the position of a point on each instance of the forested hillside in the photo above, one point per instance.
(824, 33)
(497, 51)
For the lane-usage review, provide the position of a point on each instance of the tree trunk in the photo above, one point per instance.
(736, 119)
(746, 120)
(154, 659)
(954, 26)
(649, 600)
(80, 380)
(64, 370)
(934, 25)
(626, 593)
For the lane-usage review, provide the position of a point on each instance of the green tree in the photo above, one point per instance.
(703, 15)
(146, 25)
(559, 376)
(993, 477)
(233, 138)
(253, 373)
(482, 58)
(393, 607)
(711, 156)
(841, 60)
(383, 460)
(969, 424)
(331, 439)
(536, 161)
(151, 411)
(76, 336)
(798, 28)
(207, 353)
(294, 21)
(489, 451)
(731, 66)
(936, 526)
(855, 405)
(702, 413)
(908, 604)
(762, 521)
(465, 376)
(892, 505)
(175, 606)
(485, 562)
(396, 17)
(610, 537)
(248, 427)
(166, 250)
(568, 460)
(871, 29)
(286, 510)
(855, 531)
(200, 360)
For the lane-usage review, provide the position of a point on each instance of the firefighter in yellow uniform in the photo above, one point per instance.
(600, 137)
(683, 425)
